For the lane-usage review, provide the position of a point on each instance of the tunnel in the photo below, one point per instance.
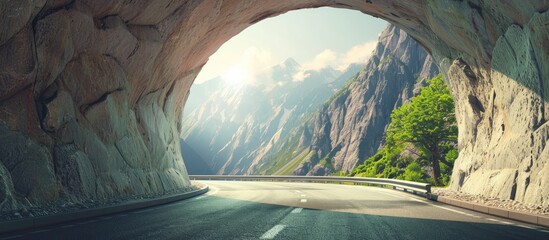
(92, 91)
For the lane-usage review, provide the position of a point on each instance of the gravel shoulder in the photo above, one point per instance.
(493, 202)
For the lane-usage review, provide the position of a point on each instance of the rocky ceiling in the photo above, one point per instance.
(91, 91)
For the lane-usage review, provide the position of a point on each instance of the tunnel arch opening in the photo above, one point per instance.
(125, 144)
(296, 56)
(476, 51)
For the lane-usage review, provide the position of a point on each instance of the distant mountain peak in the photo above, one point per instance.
(354, 65)
(231, 128)
(290, 63)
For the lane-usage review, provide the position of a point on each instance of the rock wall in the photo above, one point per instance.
(502, 117)
(78, 119)
(91, 91)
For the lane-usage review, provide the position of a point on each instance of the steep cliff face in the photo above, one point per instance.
(502, 117)
(350, 127)
(235, 123)
(91, 91)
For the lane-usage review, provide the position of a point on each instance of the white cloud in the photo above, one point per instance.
(357, 54)
(257, 58)
(325, 58)
(253, 64)
(300, 76)
(322, 60)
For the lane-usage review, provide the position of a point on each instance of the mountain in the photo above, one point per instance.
(193, 161)
(201, 89)
(228, 126)
(351, 125)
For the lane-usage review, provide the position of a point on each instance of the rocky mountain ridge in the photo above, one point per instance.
(234, 123)
(351, 126)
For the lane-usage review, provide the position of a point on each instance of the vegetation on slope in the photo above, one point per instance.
(420, 141)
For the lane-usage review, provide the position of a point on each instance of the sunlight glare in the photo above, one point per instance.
(236, 75)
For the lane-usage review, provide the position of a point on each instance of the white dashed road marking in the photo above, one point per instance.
(297, 210)
(40, 231)
(212, 193)
(148, 209)
(491, 219)
(272, 232)
(303, 200)
(524, 226)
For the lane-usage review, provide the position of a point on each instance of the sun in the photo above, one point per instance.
(236, 75)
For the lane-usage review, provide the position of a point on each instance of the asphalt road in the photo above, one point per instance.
(274, 210)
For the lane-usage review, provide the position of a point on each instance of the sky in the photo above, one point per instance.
(315, 38)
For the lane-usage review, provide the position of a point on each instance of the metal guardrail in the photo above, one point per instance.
(423, 189)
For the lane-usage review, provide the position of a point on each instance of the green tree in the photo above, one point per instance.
(427, 122)
(414, 172)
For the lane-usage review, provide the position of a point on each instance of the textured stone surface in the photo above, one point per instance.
(18, 65)
(30, 166)
(15, 15)
(60, 111)
(503, 128)
(160, 46)
(75, 172)
(7, 192)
